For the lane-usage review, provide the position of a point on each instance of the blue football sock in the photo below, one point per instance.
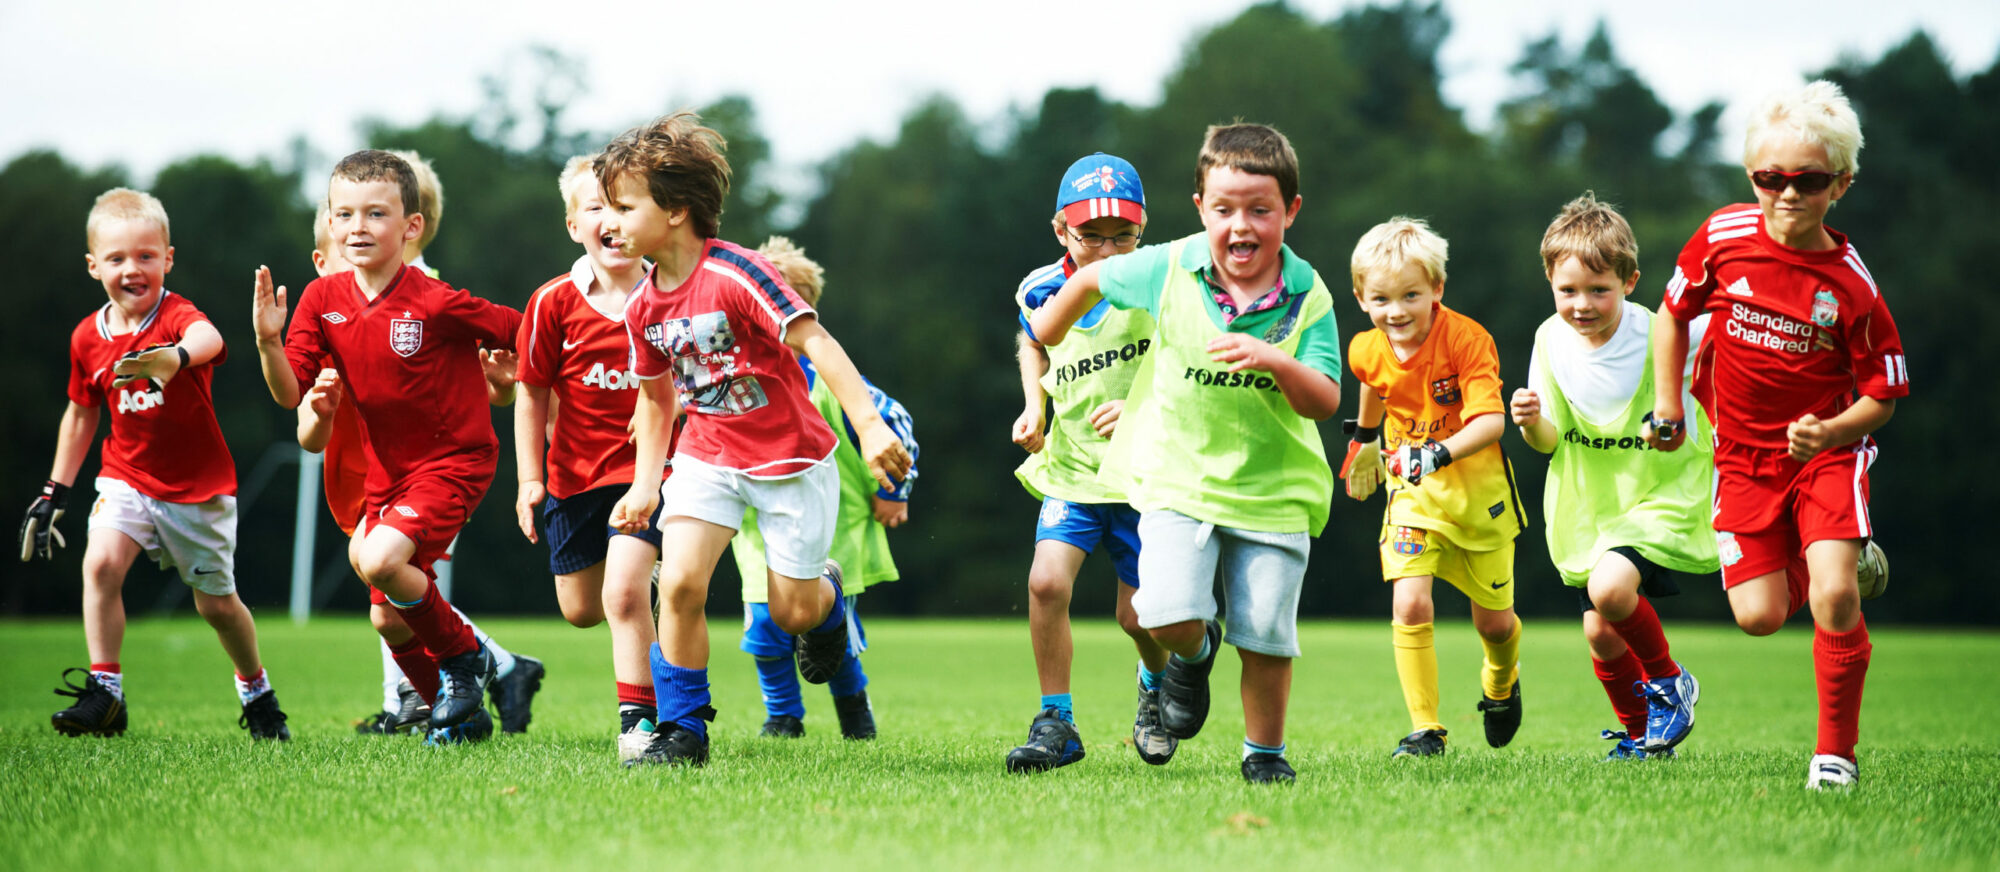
(1148, 679)
(1207, 650)
(850, 680)
(1061, 703)
(836, 617)
(1250, 748)
(778, 678)
(681, 692)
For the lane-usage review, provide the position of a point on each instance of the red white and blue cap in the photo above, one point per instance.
(1101, 186)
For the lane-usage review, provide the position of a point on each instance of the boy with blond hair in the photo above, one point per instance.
(1621, 518)
(405, 347)
(1431, 378)
(330, 427)
(573, 355)
(1216, 447)
(860, 541)
(722, 322)
(1100, 213)
(1804, 365)
(167, 488)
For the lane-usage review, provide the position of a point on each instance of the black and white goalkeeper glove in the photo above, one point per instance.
(39, 527)
(1411, 463)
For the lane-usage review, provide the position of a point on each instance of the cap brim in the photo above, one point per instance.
(1103, 207)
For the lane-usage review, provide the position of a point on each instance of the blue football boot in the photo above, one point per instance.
(1669, 709)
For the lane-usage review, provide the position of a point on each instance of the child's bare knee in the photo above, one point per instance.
(1048, 587)
(1494, 626)
(1759, 622)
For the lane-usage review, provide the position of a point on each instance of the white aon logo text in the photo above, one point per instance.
(609, 379)
(139, 401)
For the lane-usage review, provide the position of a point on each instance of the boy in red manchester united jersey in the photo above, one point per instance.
(574, 354)
(168, 485)
(719, 319)
(1800, 363)
(406, 348)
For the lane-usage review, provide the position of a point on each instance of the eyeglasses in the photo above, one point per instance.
(1807, 181)
(1122, 240)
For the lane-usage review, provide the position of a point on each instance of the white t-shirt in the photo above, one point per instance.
(1599, 382)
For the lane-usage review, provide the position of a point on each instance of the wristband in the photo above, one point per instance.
(184, 356)
(1352, 427)
(57, 493)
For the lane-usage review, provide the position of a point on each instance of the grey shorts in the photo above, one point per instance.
(1261, 573)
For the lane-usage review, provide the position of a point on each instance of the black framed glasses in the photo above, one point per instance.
(1122, 240)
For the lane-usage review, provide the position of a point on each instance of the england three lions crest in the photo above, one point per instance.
(406, 335)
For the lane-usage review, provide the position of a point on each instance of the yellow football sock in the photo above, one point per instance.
(1503, 664)
(1417, 669)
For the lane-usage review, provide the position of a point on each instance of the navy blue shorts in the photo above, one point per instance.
(1085, 525)
(578, 529)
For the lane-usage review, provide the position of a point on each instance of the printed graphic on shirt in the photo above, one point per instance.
(703, 351)
(406, 335)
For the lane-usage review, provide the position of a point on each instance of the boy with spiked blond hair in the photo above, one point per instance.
(1621, 518)
(860, 542)
(721, 321)
(1216, 447)
(574, 356)
(168, 486)
(1430, 377)
(1803, 365)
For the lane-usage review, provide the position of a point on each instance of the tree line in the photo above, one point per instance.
(925, 236)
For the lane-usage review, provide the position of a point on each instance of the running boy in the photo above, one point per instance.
(1621, 517)
(574, 354)
(860, 542)
(720, 319)
(1431, 377)
(329, 426)
(1100, 212)
(168, 484)
(405, 347)
(1804, 331)
(1216, 447)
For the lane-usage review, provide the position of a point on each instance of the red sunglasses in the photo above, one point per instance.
(1807, 181)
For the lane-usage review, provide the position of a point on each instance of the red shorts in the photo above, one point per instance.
(429, 510)
(1768, 507)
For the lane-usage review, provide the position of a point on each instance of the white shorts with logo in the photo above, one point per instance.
(1179, 559)
(196, 539)
(795, 513)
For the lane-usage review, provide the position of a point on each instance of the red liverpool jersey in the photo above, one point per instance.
(721, 335)
(165, 444)
(1792, 332)
(582, 355)
(409, 361)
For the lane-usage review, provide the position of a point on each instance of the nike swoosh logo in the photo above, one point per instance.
(1499, 584)
(569, 345)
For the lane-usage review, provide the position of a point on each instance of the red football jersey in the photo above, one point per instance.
(345, 472)
(1792, 333)
(409, 362)
(580, 354)
(165, 444)
(721, 335)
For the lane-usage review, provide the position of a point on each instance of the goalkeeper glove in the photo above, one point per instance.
(1411, 463)
(40, 524)
(1362, 469)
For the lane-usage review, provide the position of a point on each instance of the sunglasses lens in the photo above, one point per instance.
(1812, 183)
(1806, 182)
(1768, 180)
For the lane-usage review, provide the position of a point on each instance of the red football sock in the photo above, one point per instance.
(111, 667)
(1641, 632)
(418, 666)
(438, 624)
(1840, 667)
(637, 694)
(1618, 676)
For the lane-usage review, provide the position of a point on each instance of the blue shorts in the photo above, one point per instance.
(762, 638)
(578, 529)
(1086, 525)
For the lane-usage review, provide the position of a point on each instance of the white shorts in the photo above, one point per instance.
(198, 539)
(1179, 559)
(795, 513)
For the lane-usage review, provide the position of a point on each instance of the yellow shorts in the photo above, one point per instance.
(1485, 577)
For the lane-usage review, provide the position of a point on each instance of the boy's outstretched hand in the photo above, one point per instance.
(325, 395)
(532, 493)
(267, 308)
(1525, 408)
(634, 511)
(498, 364)
(1105, 418)
(887, 459)
(1028, 430)
(158, 364)
(890, 513)
(1242, 351)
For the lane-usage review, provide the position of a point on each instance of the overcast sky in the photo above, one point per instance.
(144, 83)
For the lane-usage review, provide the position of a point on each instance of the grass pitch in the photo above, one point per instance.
(186, 789)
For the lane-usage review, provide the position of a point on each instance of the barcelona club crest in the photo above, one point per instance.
(1407, 541)
(1444, 391)
(1826, 309)
(406, 335)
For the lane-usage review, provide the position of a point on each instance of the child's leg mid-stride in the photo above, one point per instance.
(383, 557)
(1053, 740)
(106, 560)
(678, 663)
(1670, 692)
(1412, 614)
(1841, 652)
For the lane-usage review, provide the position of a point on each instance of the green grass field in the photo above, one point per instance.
(186, 789)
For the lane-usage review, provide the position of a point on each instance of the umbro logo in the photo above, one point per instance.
(406, 511)
(1739, 288)
(335, 318)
